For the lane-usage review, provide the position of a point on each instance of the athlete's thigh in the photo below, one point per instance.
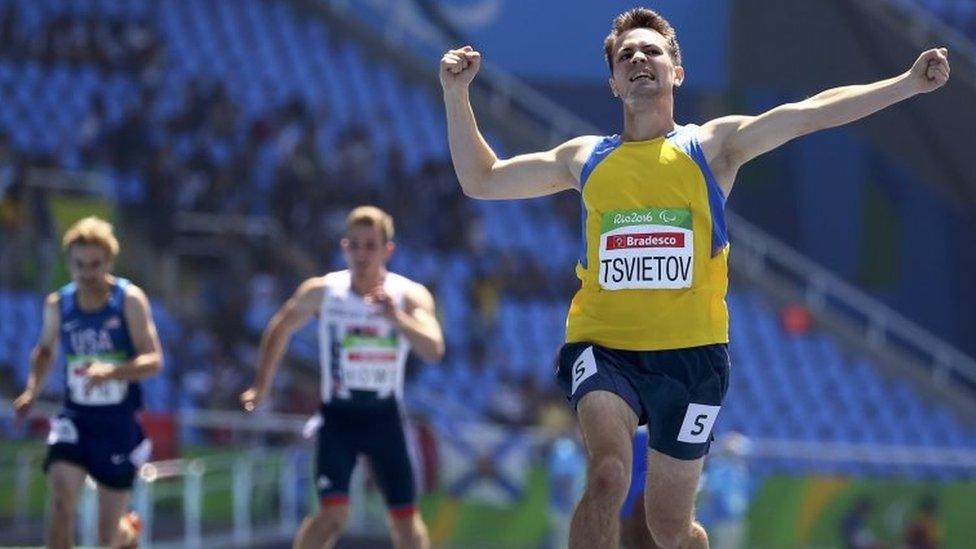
(608, 425)
(582, 368)
(672, 483)
(683, 390)
(389, 458)
(335, 459)
(118, 449)
(65, 480)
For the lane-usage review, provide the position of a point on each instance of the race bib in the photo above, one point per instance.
(370, 363)
(646, 249)
(109, 392)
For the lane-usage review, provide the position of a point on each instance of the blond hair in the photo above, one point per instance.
(92, 230)
(642, 18)
(371, 216)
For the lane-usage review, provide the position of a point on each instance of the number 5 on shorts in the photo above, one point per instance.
(698, 422)
(583, 367)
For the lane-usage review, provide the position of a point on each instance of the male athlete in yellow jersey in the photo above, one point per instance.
(647, 332)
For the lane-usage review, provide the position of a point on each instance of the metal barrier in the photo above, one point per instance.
(258, 495)
(758, 254)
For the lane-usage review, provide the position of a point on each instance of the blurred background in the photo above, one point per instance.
(227, 139)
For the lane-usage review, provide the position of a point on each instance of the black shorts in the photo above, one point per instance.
(377, 433)
(111, 448)
(677, 393)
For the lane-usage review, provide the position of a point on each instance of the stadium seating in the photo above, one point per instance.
(795, 387)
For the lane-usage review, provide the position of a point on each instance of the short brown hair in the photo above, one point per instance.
(92, 230)
(642, 18)
(371, 216)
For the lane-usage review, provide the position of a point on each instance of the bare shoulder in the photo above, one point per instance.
(575, 152)
(579, 148)
(313, 287)
(137, 305)
(135, 295)
(582, 143)
(52, 308)
(415, 294)
(714, 134)
(718, 142)
(420, 295)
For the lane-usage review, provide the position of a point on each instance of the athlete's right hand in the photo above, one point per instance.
(22, 404)
(459, 67)
(251, 398)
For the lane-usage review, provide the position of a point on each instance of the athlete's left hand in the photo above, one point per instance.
(97, 374)
(383, 301)
(931, 70)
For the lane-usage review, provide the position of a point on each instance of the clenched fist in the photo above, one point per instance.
(931, 70)
(459, 67)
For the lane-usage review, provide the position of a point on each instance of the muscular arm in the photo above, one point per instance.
(148, 360)
(142, 329)
(42, 356)
(294, 314)
(731, 141)
(481, 173)
(418, 323)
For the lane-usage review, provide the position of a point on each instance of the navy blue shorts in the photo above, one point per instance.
(377, 433)
(111, 448)
(676, 393)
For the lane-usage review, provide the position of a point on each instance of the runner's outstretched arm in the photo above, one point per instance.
(481, 173)
(731, 141)
(41, 357)
(297, 311)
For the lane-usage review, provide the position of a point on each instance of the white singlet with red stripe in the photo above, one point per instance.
(362, 353)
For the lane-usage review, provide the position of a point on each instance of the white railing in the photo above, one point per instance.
(282, 474)
(246, 478)
(871, 454)
(758, 254)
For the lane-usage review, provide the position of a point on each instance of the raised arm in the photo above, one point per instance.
(297, 311)
(731, 141)
(41, 357)
(416, 321)
(481, 173)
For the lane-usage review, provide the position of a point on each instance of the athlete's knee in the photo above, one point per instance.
(608, 475)
(671, 533)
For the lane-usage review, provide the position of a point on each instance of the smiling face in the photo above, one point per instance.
(642, 66)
